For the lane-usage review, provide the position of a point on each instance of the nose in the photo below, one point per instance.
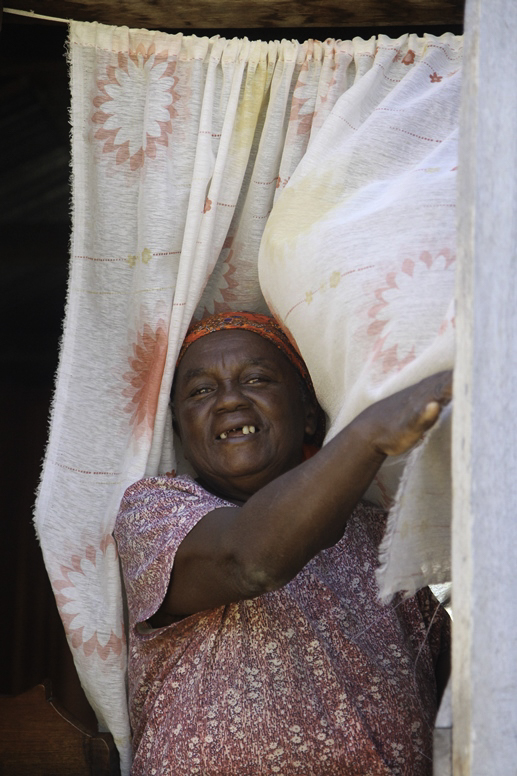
(230, 397)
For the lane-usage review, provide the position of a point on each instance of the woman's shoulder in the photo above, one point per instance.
(165, 485)
(151, 496)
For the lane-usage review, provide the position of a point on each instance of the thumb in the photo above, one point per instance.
(430, 414)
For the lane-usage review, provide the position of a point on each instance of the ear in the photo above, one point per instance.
(311, 418)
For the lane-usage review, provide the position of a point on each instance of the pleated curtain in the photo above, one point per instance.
(180, 147)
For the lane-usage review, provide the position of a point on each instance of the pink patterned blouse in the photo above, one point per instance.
(315, 679)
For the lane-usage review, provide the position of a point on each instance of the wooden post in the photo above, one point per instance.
(485, 402)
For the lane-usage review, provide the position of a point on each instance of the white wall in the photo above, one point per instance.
(485, 403)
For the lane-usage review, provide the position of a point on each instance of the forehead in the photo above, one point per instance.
(231, 346)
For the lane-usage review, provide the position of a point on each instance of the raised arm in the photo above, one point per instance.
(239, 553)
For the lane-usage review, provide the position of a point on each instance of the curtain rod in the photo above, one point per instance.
(33, 15)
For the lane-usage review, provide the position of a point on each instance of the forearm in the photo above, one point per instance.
(286, 523)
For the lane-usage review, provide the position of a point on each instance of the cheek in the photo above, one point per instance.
(190, 427)
(289, 423)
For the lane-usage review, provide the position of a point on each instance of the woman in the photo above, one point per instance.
(257, 641)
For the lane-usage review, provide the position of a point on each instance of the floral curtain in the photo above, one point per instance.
(180, 147)
(365, 281)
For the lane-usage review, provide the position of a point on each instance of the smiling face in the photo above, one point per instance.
(240, 412)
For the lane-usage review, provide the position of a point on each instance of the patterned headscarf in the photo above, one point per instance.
(265, 326)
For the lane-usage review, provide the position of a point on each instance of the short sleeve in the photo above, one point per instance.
(155, 516)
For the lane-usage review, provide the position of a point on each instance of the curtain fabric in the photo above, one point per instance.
(364, 281)
(180, 147)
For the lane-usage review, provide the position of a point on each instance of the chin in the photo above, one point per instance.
(240, 482)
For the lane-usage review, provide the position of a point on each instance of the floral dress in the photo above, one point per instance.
(317, 678)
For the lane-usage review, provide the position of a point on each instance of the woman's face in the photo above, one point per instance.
(239, 412)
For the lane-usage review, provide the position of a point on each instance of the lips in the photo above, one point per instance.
(238, 431)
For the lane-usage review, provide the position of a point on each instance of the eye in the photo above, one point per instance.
(200, 390)
(256, 379)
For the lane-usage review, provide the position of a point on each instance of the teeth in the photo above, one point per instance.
(245, 430)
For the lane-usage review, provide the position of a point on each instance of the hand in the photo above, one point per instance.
(398, 422)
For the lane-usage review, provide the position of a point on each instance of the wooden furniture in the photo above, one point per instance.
(38, 737)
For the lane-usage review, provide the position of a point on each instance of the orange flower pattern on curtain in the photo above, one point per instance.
(115, 103)
(70, 586)
(302, 106)
(393, 347)
(144, 378)
(222, 291)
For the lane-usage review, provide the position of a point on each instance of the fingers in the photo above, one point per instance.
(435, 392)
(440, 385)
(431, 413)
(401, 420)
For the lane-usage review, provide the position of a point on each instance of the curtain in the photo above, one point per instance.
(364, 282)
(180, 147)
